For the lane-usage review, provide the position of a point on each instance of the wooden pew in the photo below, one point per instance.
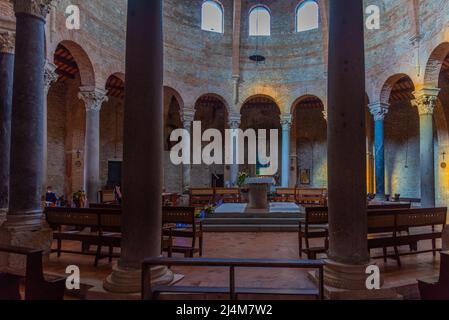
(437, 289)
(153, 292)
(90, 227)
(173, 216)
(107, 197)
(315, 226)
(36, 286)
(227, 195)
(285, 195)
(201, 197)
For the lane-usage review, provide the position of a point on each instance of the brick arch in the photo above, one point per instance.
(175, 93)
(435, 64)
(389, 84)
(307, 98)
(83, 61)
(115, 85)
(216, 96)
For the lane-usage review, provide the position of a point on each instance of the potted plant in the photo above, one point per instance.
(79, 199)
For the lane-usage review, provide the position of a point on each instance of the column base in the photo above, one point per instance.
(345, 276)
(26, 236)
(348, 282)
(129, 280)
(380, 197)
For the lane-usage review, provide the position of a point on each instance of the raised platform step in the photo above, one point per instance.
(252, 221)
(250, 228)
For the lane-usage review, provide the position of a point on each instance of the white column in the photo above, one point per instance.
(187, 117)
(93, 99)
(234, 125)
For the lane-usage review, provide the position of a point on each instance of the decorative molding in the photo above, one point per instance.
(235, 120)
(379, 110)
(50, 75)
(37, 8)
(7, 42)
(93, 98)
(325, 114)
(425, 100)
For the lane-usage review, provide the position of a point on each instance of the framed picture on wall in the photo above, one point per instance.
(304, 177)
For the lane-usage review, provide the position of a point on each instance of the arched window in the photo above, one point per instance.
(307, 16)
(259, 21)
(212, 16)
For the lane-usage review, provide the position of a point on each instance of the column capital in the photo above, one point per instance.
(235, 120)
(187, 116)
(7, 42)
(37, 8)
(50, 75)
(379, 110)
(93, 98)
(425, 100)
(286, 121)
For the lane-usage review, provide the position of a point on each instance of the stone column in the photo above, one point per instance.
(286, 122)
(426, 102)
(7, 40)
(93, 100)
(24, 225)
(143, 149)
(187, 117)
(348, 252)
(379, 110)
(234, 125)
(50, 76)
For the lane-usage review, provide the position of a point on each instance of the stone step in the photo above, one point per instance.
(252, 221)
(250, 228)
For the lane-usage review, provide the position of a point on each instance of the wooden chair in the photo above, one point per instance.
(36, 286)
(437, 289)
(173, 216)
(315, 226)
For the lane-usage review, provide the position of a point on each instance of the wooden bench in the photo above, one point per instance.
(311, 196)
(405, 227)
(36, 286)
(151, 292)
(173, 216)
(227, 195)
(201, 197)
(90, 227)
(437, 289)
(107, 196)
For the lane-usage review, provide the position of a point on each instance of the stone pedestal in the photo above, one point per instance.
(258, 192)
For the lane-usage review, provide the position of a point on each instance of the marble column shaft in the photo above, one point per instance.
(26, 169)
(286, 123)
(7, 40)
(234, 124)
(348, 251)
(426, 102)
(143, 148)
(93, 99)
(188, 116)
(379, 110)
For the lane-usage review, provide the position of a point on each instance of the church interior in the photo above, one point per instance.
(93, 207)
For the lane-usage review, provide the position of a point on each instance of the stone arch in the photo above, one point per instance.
(308, 99)
(84, 63)
(115, 85)
(175, 93)
(215, 96)
(389, 84)
(435, 64)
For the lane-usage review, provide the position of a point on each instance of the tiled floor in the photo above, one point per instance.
(257, 246)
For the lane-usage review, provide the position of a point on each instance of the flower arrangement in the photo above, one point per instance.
(210, 209)
(79, 198)
(241, 178)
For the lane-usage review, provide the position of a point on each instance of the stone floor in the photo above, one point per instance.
(258, 246)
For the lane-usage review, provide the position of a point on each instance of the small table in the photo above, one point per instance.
(258, 192)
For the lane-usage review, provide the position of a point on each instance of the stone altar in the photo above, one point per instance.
(258, 191)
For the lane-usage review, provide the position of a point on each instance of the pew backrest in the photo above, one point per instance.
(178, 215)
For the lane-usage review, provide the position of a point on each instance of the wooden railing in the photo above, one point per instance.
(150, 292)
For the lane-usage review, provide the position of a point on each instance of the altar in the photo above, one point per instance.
(258, 192)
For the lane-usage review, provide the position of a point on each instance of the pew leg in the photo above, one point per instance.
(398, 258)
(434, 247)
(59, 248)
(97, 255)
(300, 246)
(111, 253)
(385, 254)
